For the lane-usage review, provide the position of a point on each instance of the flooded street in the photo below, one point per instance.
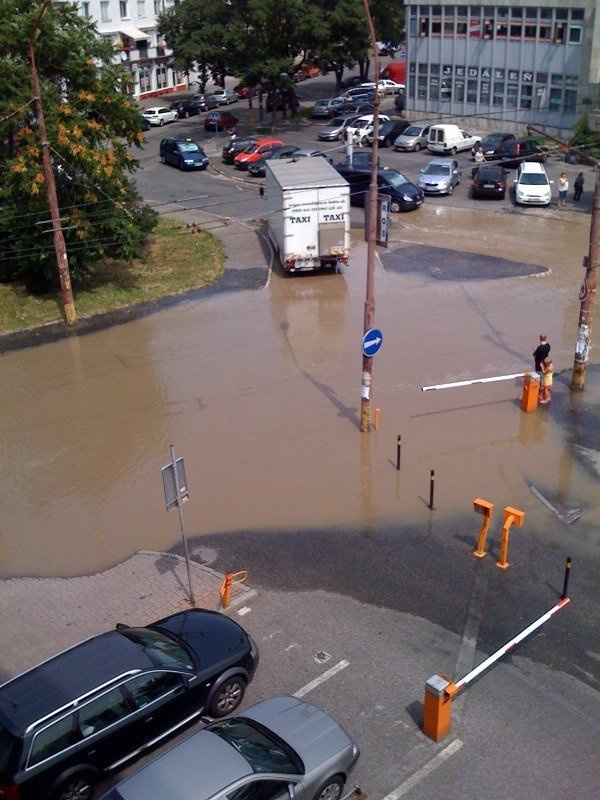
(259, 391)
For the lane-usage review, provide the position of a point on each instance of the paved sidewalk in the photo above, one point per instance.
(42, 616)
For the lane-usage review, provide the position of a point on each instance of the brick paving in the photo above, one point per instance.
(42, 616)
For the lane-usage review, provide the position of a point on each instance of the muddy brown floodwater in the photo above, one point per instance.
(259, 391)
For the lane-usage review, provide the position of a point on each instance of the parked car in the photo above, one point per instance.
(388, 132)
(257, 151)
(182, 153)
(225, 97)
(491, 143)
(112, 697)
(206, 102)
(532, 186)
(258, 168)
(279, 748)
(350, 81)
(234, 146)
(363, 126)
(364, 92)
(388, 86)
(440, 176)
(513, 151)
(490, 181)
(308, 153)
(290, 98)
(185, 108)
(335, 129)
(159, 115)
(219, 120)
(403, 194)
(326, 107)
(356, 109)
(413, 138)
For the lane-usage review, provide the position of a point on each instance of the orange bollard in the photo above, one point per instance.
(512, 516)
(230, 580)
(377, 410)
(486, 510)
(437, 707)
(531, 391)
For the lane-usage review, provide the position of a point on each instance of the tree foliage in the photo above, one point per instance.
(91, 125)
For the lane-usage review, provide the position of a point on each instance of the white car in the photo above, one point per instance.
(225, 96)
(388, 86)
(532, 187)
(363, 127)
(158, 115)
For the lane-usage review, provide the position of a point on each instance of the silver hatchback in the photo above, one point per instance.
(413, 138)
(440, 176)
(280, 748)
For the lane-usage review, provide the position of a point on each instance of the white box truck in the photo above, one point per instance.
(308, 213)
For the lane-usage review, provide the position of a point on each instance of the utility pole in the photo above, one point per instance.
(369, 316)
(587, 292)
(587, 296)
(59, 240)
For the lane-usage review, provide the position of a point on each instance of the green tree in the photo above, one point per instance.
(91, 125)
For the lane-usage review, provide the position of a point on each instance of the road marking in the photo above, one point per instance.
(418, 776)
(322, 678)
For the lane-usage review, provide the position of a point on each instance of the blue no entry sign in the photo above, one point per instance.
(372, 341)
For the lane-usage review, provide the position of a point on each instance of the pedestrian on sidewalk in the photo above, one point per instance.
(479, 159)
(578, 186)
(563, 188)
(547, 376)
(541, 352)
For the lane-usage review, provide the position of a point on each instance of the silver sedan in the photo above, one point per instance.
(279, 749)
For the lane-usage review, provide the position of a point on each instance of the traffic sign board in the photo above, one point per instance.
(372, 341)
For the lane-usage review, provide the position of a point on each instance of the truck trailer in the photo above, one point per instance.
(308, 213)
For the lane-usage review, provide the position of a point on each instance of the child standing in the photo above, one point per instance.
(547, 373)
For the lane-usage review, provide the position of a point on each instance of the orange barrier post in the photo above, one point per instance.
(487, 510)
(438, 703)
(230, 580)
(376, 425)
(512, 516)
(531, 391)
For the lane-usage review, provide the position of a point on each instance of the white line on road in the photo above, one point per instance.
(322, 678)
(418, 776)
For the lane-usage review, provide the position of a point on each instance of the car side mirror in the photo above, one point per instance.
(422, 171)
(550, 181)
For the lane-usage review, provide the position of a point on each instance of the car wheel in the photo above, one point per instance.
(331, 789)
(78, 787)
(187, 114)
(161, 122)
(395, 206)
(417, 147)
(162, 160)
(228, 697)
(450, 189)
(453, 151)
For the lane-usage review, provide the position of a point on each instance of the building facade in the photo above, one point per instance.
(132, 27)
(512, 62)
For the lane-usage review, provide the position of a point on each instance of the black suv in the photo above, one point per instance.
(182, 153)
(513, 151)
(403, 194)
(389, 131)
(112, 697)
(492, 143)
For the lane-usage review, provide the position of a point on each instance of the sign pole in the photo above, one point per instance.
(179, 501)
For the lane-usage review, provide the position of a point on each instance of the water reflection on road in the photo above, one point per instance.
(259, 392)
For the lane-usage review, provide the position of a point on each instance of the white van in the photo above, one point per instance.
(450, 139)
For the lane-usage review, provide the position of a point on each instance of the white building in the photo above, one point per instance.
(131, 25)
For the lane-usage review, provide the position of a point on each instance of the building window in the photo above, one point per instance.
(461, 28)
(516, 31)
(104, 11)
(141, 8)
(530, 31)
(512, 93)
(531, 13)
(434, 87)
(459, 90)
(161, 76)
(526, 92)
(85, 10)
(545, 33)
(570, 101)
(498, 99)
(123, 10)
(472, 92)
(574, 34)
(424, 26)
(145, 84)
(488, 29)
(484, 93)
(501, 30)
(555, 99)
(577, 13)
(559, 33)
(449, 27)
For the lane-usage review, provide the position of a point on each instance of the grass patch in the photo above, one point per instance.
(175, 261)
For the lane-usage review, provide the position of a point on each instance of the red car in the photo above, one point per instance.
(219, 120)
(262, 149)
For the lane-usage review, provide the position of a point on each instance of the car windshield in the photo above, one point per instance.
(160, 649)
(335, 123)
(260, 748)
(493, 140)
(394, 178)
(533, 179)
(189, 147)
(413, 131)
(437, 169)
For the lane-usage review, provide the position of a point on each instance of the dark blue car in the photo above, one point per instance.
(404, 195)
(183, 153)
